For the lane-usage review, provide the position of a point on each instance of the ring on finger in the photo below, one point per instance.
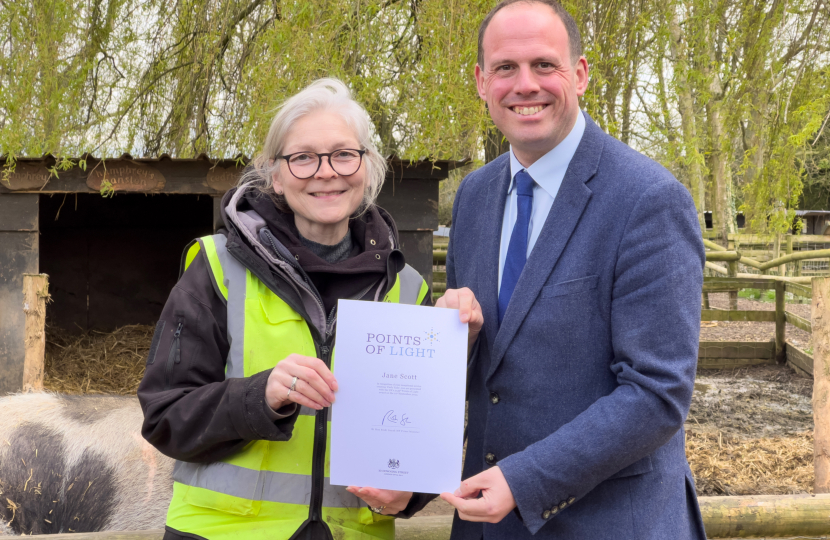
(293, 385)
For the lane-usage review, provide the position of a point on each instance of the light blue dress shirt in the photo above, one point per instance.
(548, 172)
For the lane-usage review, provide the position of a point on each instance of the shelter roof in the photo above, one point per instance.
(165, 174)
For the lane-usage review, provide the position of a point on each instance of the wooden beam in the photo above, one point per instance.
(719, 284)
(18, 255)
(717, 268)
(798, 322)
(797, 256)
(798, 289)
(780, 321)
(722, 255)
(713, 246)
(821, 383)
(736, 350)
(730, 315)
(767, 516)
(152, 534)
(732, 363)
(35, 296)
(733, 295)
(798, 359)
(199, 176)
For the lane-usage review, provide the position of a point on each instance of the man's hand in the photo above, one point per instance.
(392, 501)
(484, 497)
(469, 309)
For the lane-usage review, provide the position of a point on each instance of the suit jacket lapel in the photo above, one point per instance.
(567, 208)
(490, 235)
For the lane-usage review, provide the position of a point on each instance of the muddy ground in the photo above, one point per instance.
(749, 432)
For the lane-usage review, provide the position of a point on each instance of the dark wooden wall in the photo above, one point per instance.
(18, 256)
(113, 261)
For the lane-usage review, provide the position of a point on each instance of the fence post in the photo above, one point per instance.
(821, 383)
(789, 251)
(35, 295)
(776, 249)
(798, 263)
(732, 271)
(780, 321)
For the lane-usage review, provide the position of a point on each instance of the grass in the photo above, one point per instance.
(755, 294)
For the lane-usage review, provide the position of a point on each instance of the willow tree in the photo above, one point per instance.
(204, 76)
(728, 94)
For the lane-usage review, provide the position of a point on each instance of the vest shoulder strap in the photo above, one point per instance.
(409, 288)
(209, 246)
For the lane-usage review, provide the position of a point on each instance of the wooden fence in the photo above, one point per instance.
(785, 266)
(720, 354)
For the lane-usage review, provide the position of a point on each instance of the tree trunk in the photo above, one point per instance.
(677, 46)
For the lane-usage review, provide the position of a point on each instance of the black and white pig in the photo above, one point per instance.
(78, 464)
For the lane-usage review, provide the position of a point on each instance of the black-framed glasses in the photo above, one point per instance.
(304, 165)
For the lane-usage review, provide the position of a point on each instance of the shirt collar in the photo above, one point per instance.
(549, 169)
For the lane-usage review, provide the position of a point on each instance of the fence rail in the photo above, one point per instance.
(768, 516)
(715, 254)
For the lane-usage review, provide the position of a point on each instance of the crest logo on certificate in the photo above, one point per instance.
(398, 421)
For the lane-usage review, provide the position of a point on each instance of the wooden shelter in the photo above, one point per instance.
(814, 221)
(113, 260)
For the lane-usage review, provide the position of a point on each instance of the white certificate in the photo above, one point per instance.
(398, 417)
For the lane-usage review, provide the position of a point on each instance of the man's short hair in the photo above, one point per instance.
(574, 37)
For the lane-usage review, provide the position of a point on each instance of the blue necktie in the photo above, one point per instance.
(517, 249)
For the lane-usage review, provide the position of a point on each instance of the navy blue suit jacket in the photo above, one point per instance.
(581, 394)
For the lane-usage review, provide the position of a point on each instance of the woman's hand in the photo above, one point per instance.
(392, 501)
(315, 386)
(469, 309)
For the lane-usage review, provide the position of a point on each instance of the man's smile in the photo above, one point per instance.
(527, 111)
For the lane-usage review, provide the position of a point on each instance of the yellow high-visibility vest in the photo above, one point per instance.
(265, 490)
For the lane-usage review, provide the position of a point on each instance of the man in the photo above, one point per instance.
(586, 259)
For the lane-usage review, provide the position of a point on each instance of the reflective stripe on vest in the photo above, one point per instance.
(268, 477)
(265, 485)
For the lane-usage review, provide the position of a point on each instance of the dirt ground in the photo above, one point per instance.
(749, 432)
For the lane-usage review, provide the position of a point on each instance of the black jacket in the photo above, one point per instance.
(233, 412)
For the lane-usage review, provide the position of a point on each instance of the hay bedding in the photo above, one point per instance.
(97, 362)
(749, 431)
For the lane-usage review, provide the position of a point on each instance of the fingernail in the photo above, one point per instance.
(457, 493)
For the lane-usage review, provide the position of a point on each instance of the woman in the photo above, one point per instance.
(238, 385)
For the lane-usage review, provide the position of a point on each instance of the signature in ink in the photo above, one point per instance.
(391, 418)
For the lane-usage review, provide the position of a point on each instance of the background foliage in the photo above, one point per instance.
(731, 95)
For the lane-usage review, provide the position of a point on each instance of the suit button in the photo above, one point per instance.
(562, 505)
(490, 458)
(554, 510)
(494, 398)
(546, 514)
(571, 500)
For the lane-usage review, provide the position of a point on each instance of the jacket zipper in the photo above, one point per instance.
(319, 454)
(315, 511)
(174, 357)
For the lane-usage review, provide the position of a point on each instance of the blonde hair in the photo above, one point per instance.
(327, 94)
